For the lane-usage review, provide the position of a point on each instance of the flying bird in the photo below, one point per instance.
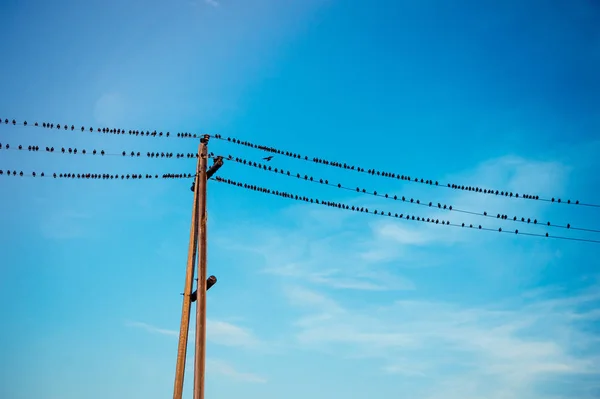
(268, 158)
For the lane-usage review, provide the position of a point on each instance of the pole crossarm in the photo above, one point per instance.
(212, 280)
(215, 167)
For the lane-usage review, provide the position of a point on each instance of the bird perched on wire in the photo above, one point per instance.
(268, 158)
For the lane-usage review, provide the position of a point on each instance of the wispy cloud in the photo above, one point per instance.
(510, 346)
(217, 332)
(223, 333)
(223, 368)
(343, 254)
(151, 329)
(466, 349)
(212, 3)
(341, 279)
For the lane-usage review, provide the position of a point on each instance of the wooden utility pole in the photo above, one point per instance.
(189, 282)
(200, 356)
(197, 246)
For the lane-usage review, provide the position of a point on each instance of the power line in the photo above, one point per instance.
(343, 165)
(413, 201)
(404, 177)
(75, 151)
(340, 205)
(105, 130)
(95, 176)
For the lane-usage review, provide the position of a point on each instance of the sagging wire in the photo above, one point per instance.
(400, 176)
(429, 204)
(105, 130)
(95, 176)
(75, 151)
(401, 216)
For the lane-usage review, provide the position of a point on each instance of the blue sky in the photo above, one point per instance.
(311, 301)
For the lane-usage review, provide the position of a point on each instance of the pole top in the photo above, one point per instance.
(205, 138)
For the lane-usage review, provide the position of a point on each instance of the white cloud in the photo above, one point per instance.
(151, 329)
(217, 332)
(302, 297)
(465, 349)
(223, 368)
(212, 3)
(500, 348)
(227, 334)
(344, 254)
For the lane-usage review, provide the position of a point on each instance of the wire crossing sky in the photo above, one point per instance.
(156, 155)
(403, 199)
(384, 213)
(312, 301)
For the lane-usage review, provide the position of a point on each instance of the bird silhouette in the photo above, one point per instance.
(268, 158)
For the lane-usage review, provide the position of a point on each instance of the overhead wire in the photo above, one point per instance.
(94, 176)
(343, 165)
(397, 197)
(104, 130)
(403, 177)
(75, 151)
(401, 216)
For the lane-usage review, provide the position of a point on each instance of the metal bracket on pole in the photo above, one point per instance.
(216, 166)
(212, 280)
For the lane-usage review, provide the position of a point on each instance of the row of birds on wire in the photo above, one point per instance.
(398, 197)
(374, 212)
(96, 176)
(75, 151)
(296, 155)
(380, 213)
(269, 168)
(105, 130)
